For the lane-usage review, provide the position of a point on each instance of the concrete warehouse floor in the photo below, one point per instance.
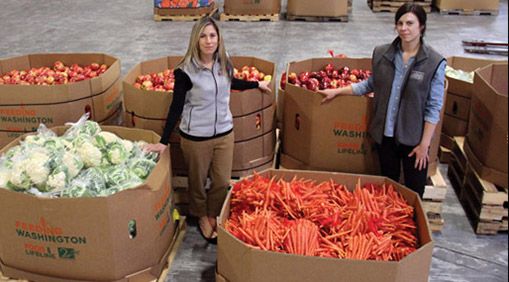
(125, 28)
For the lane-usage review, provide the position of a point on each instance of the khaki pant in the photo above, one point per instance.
(211, 158)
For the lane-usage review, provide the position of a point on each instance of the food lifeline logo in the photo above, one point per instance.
(44, 232)
(356, 131)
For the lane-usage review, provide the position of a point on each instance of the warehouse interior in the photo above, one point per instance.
(127, 30)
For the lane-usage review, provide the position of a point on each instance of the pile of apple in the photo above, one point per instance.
(161, 81)
(250, 74)
(327, 78)
(58, 74)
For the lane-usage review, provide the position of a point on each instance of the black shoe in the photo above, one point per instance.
(210, 240)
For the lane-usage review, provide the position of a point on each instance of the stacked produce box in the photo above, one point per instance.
(478, 168)
(393, 5)
(320, 9)
(56, 88)
(80, 184)
(182, 9)
(271, 229)
(467, 7)
(460, 75)
(251, 8)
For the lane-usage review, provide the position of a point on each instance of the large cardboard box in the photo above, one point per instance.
(252, 7)
(318, 8)
(486, 140)
(333, 136)
(24, 107)
(460, 87)
(237, 261)
(467, 4)
(68, 239)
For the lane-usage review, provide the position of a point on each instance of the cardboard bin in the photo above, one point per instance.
(68, 239)
(24, 107)
(331, 137)
(252, 7)
(318, 8)
(486, 142)
(467, 4)
(237, 261)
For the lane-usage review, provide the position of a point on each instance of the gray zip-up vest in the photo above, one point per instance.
(415, 91)
(207, 107)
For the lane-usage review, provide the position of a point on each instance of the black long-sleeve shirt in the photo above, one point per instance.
(182, 85)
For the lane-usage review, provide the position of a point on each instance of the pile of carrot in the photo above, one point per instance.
(374, 222)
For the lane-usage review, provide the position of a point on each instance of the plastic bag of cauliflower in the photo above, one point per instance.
(84, 162)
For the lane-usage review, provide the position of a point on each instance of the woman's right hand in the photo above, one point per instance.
(158, 148)
(329, 94)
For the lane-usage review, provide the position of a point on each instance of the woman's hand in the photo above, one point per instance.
(329, 95)
(264, 86)
(158, 148)
(421, 156)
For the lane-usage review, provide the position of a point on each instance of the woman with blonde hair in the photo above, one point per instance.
(201, 98)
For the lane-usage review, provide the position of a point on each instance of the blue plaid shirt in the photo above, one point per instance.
(433, 105)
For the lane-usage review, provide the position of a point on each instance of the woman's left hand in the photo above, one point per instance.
(264, 86)
(421, 156)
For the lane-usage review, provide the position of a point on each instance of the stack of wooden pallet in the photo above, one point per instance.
(392, 6)
(485, 204)
(433, 198)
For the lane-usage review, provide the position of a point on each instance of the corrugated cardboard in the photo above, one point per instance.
(454, 126)
(249, 101)
(318, 8)
(254, 153)
(333, 136)
(238, 262)
(24, 107)
(460, 87)
(467, 4)
(487, 130)
(255, 124)
(92, 237)
(12, 133)
(457, 106)
(252, 7)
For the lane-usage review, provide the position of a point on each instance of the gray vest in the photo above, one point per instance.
(415, 91)
(207, 106)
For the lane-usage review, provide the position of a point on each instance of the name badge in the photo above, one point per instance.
(417, 75)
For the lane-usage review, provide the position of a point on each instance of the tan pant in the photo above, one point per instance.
(211, 158)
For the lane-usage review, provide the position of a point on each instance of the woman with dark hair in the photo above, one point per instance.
(408, 82)
(201, 98)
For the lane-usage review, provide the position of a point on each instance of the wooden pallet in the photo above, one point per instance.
(184, 18)
(178, 237)
(436, 222)
(317, 19)
(436, 188)
(249, 18)
(467, 12)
